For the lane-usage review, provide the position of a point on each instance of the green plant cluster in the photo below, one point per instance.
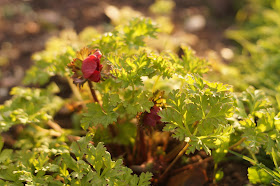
(258, 63)
(30, 106)
(201, 115)
(79, 164)
(258, 124)
(198, 113)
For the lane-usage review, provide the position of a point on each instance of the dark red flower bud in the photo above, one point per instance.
(86, 66)
(152, 118)
(91, 67)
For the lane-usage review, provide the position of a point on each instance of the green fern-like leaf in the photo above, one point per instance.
(198, 113)
(105, 115)
(29, 106)
(106, 171)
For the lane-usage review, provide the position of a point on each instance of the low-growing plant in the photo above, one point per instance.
(124, 94)
(258, 129)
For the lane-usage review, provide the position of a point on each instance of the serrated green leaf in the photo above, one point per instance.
(105, 115)
(5, 155)
(199, 112)
(137, 101)
(106, 171)
(258, 176)
(96, 116)
(190, 64)
(29, 106)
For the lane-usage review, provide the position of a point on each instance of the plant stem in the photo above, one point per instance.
(254, 156)
(75, 90)
(175, 160)
(55, 126)
(93, 92)
(154, 86)
(215, 171)
(140, 150)
(186, 167)
(275, 160)
(174, 152)
(237, 143)
(50, 132)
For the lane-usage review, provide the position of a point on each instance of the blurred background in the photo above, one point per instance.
(26, 25)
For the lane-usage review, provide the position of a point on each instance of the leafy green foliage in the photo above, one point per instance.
(113, 107)
(46, 165)
(29, 106)
(198, 113)
(251, 102)
(257, 176)
(43, 156)
(259, 173)
(127, 37)
(130, 70)
(125, 92)
(135, 78)
(33, 166)
(105, 115)
(257, 122)
(94, 165)
(135, 31)
(189, 63)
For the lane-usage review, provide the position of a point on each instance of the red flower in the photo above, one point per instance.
(86, 66)
(152, 118)
(91, 67)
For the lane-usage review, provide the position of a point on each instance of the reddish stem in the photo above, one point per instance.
(93, 92)
(174, 161)
(139, 150)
